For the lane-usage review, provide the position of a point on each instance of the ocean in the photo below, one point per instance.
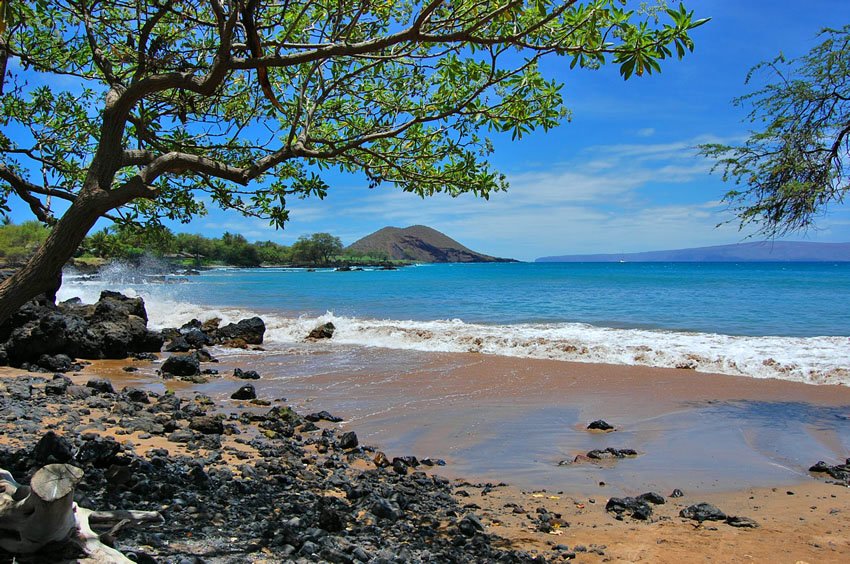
(765, 320)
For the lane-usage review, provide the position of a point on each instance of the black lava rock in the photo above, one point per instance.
(324, 331)
(100, 386)
(58, 386)
(246, 374)
(600, 425)
(52, 448)
(609, 453)
(840, 472)
(99, 452)
(249, 331)
(182, 365)
(741, 522)
(652, 497)
(348, 440)
(702, 512)
(207, 424)
(322, 416)
(246, 392)
(636, 508)
(470, 525)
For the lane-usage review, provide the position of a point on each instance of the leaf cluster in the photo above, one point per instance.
(172, 105)
(794, 164)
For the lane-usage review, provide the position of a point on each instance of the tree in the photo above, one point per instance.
(129, 109)
(796, 164)
(318, 248)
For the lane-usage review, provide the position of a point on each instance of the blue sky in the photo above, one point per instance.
(620, 177)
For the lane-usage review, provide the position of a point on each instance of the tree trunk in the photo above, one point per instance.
(32, 517)
(42, 274)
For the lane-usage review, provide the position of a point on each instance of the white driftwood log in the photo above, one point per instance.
(44, 512)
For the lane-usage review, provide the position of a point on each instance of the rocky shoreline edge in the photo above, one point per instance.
(264, 484)
(274, 485)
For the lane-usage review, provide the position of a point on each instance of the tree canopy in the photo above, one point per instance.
(144, 110)
(794, 165)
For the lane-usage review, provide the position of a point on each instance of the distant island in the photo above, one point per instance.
(418, 243)
(760, 251)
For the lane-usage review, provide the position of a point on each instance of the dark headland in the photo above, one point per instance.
(759, 251)
(419, 243)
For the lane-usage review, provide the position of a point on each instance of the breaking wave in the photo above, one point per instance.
(816, 360)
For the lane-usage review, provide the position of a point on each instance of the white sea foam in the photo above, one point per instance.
(817, 360)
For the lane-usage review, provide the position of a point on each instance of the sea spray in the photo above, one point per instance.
(812, 359)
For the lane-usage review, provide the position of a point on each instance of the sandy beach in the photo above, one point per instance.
(742, 444)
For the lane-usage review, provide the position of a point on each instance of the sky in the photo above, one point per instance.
(622, 176)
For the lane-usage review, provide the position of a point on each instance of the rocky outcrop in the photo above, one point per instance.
(44, 335)
(195, 334)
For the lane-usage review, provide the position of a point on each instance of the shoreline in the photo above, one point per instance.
(808, 525)
(503, 418)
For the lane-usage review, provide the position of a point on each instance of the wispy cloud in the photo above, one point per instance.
(613, 198)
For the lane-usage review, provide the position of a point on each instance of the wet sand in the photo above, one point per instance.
(739, 443)
(514, 420)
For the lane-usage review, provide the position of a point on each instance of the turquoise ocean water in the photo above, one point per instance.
(787, 320)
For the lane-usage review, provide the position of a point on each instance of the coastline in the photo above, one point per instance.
(507, 419)
(807, 524)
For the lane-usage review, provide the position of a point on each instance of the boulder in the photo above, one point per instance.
(635, 507)
(348, 440)
(49, 335)
(840, 472)
(246, 392)
(52, 448)
(99, 452)
(245, 374)
(609, 453)
(250, 331)
(207, 424)
(58, 386)
(57, 363)
(196, 338)
(322, 416)
(652, 497)
(100, 386)
(178, 344)
(324, 331)
(182, 365)
(470, 525)
(702, 512)
(741, 522)
(600, 425)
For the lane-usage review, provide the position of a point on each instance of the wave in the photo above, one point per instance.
(814, 360)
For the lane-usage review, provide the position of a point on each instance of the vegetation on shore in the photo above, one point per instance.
(18, 242)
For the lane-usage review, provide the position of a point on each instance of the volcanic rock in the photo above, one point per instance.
(600, 425)
(324, 331)
(246, 392)
(702, 512)
(182, 365)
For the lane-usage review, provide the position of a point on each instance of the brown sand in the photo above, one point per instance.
(503, 419)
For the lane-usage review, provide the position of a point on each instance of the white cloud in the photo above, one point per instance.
(609, 199)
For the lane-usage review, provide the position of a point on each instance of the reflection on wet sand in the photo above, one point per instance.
(515, 419)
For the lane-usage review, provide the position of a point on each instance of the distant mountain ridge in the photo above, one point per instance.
(760, 251)
(419, 243)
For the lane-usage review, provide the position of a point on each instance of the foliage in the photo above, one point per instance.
(795, 164)
(17, 242)
(231, 249)
(141, 110)
(160, 102)
(318, 248)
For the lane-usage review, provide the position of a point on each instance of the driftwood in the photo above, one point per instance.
(44, 513)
